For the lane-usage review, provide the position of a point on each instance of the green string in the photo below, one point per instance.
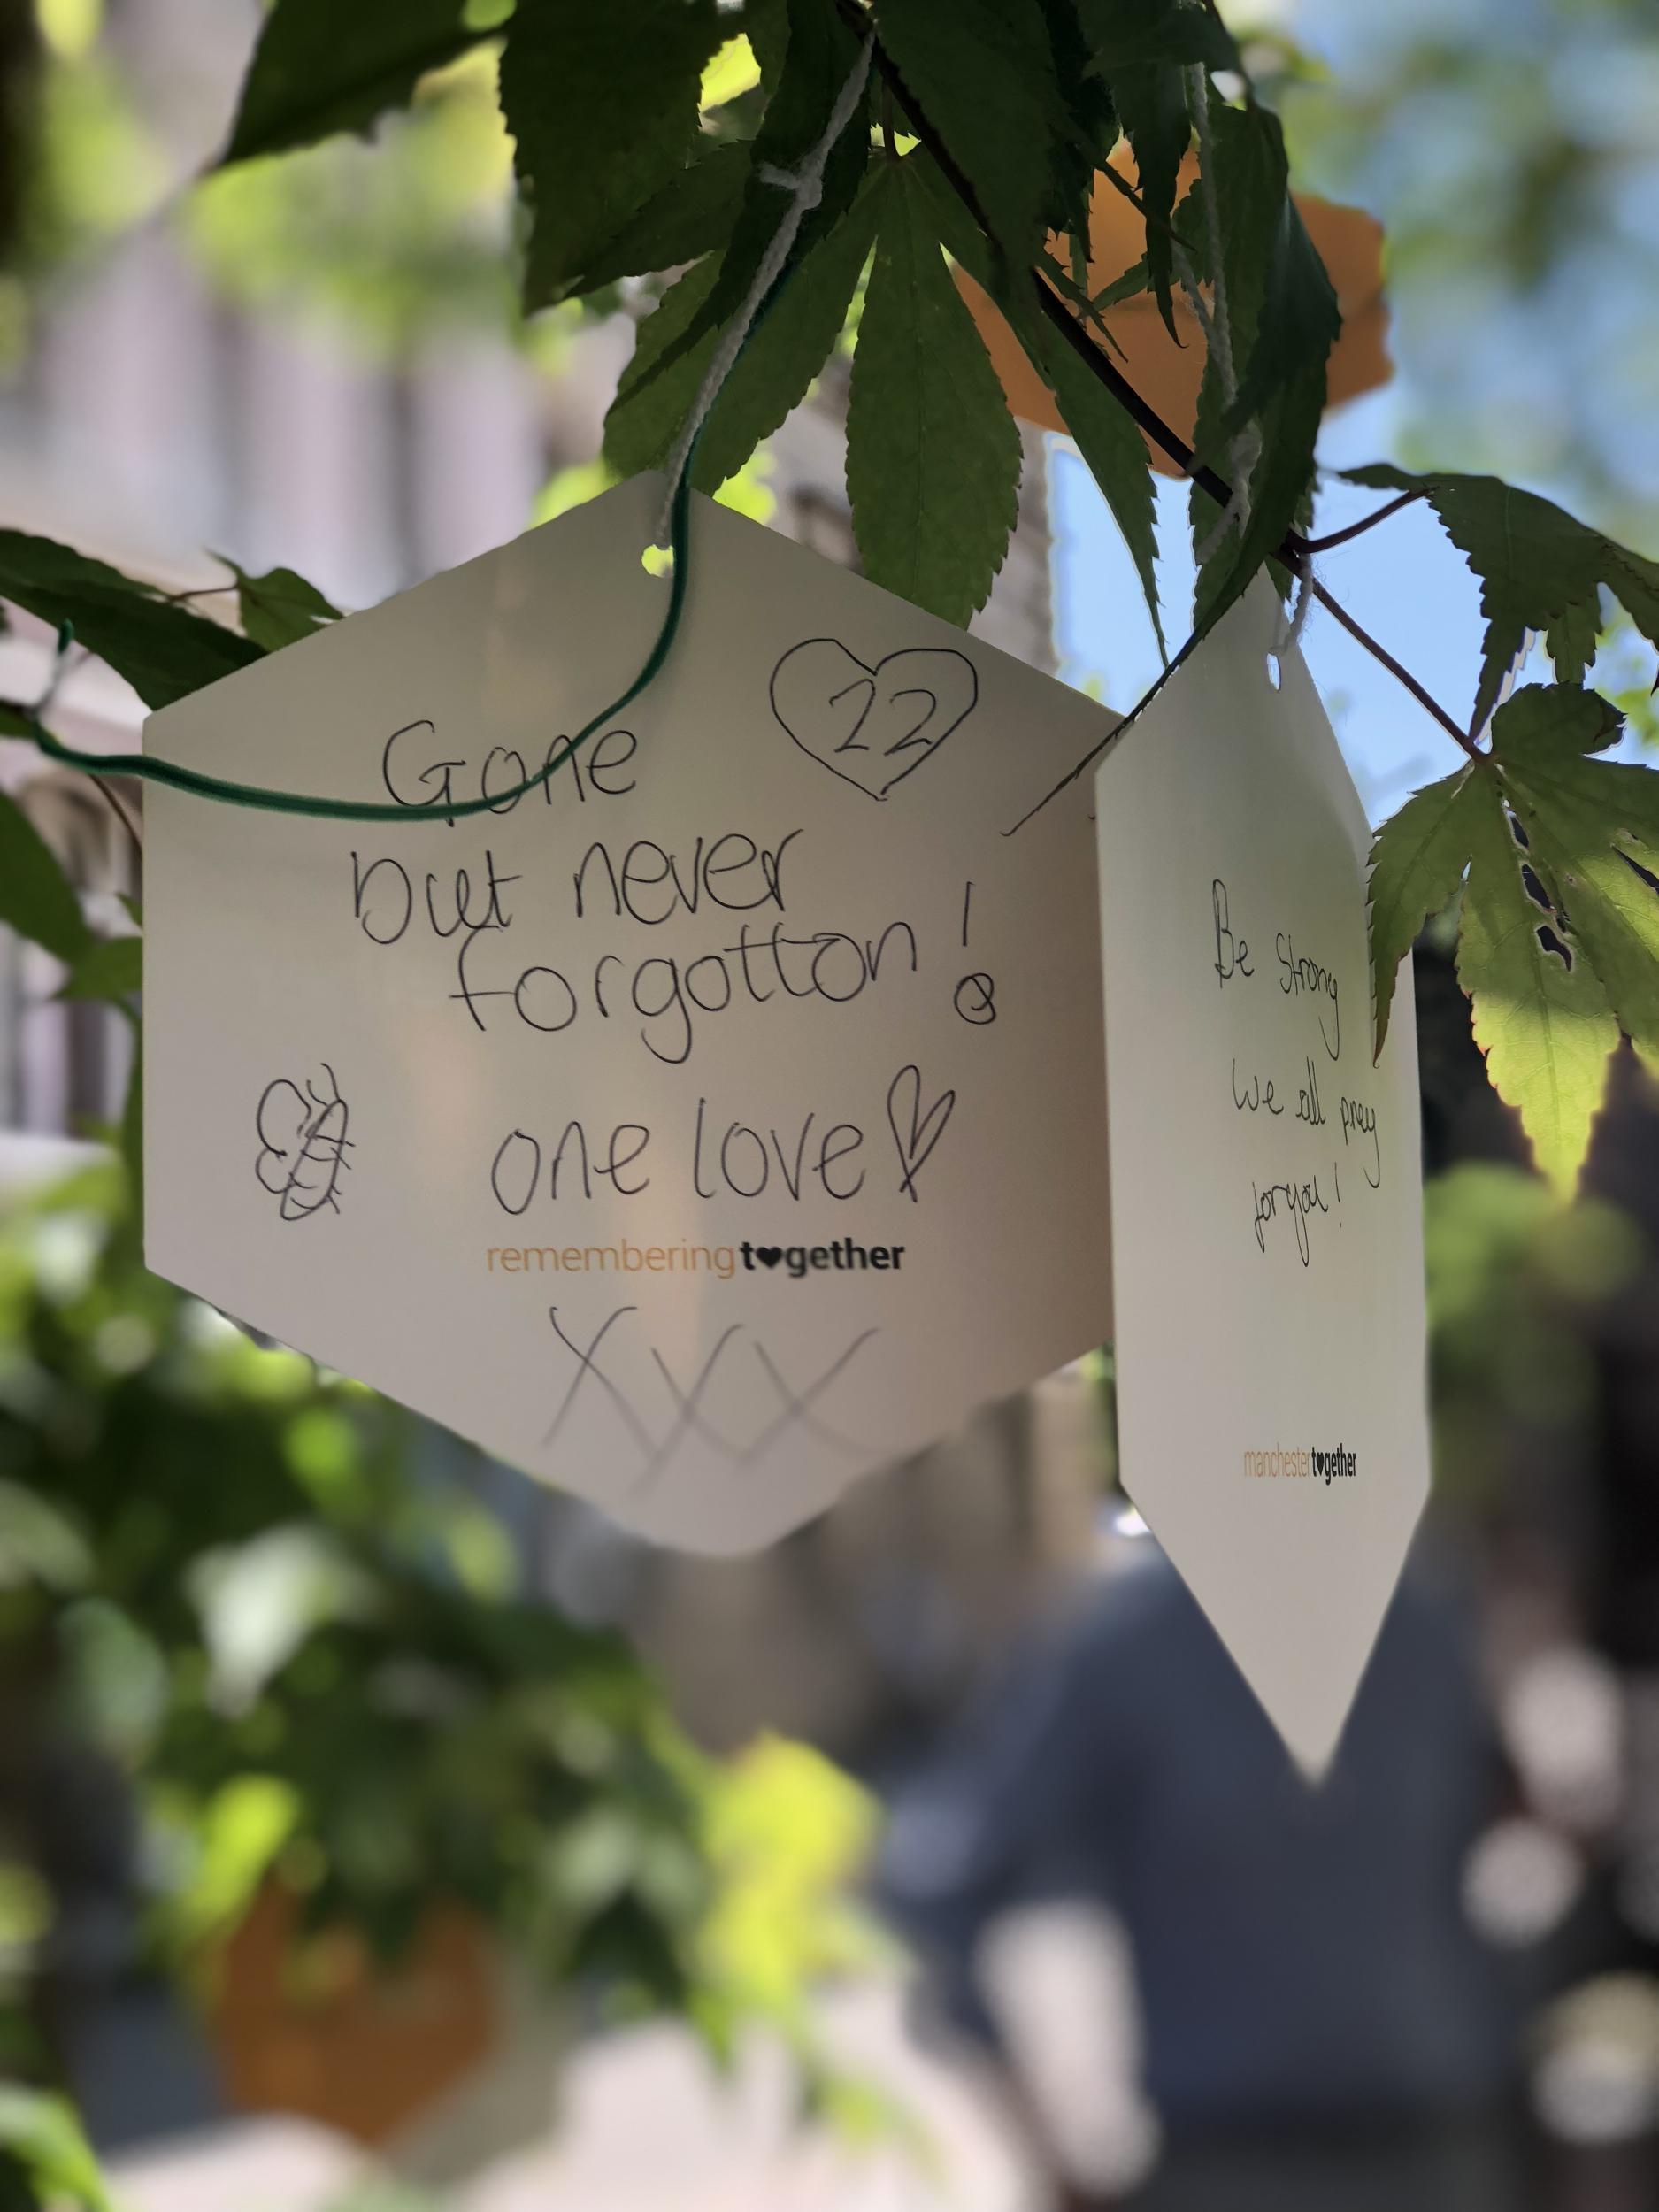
(201, 785)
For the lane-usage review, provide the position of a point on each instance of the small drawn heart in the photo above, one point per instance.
(769, 1255)
(871, 727)
(916, 1143)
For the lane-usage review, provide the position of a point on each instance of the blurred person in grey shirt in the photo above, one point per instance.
(1318, 2025)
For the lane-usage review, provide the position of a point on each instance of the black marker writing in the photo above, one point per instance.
(303, 1145)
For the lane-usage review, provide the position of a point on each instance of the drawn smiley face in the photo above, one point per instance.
(871, 727)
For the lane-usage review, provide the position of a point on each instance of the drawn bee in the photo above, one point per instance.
(303, 1145)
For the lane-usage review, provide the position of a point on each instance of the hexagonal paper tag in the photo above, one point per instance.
(701, 1131)
(1267, 1176)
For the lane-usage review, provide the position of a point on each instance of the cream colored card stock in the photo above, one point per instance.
(1266, 1177)
(700, 1132)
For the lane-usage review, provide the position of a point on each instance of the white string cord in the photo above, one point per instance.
(805, 188)
(1292, 624)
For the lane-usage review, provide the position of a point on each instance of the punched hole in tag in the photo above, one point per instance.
(658, 561)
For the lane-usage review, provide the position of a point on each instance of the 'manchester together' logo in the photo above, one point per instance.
(1292, 1464)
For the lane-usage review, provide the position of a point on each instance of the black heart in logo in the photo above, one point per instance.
(769, 1255)
(871, 727)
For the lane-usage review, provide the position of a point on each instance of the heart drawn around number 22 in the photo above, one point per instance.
(871, 727)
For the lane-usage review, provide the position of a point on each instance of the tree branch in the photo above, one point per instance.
(1396, 669)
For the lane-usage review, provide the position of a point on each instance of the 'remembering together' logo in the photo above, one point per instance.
(844, 1256)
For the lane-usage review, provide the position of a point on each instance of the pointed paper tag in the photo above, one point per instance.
(701, 1132)
(1266, 1176)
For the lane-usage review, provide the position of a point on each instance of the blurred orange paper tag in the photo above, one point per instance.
(1266, 1176)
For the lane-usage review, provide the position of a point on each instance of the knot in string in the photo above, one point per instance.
(805, 188)
(808, 190)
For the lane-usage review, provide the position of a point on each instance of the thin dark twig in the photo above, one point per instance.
(1121, 184)
(197, 591)
(1366, 522)
(106, 792)
(1145, 415)
(1396, 669)
(1110, 738)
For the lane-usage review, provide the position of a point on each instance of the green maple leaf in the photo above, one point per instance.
(1557, 855)
(785, 351)
(811, 68)
(112, 968)
(684, 219)
(37, 897)
(982, 73)
(1122, 34)
(1105, 436)
(162, 649)
(1539, 570)
(1284, 319)
(1591, 828)
(1418, 863)
(603, 103)
(788, 347)
(1541, 1016)
(933, 454)
(319, 68)
(655, 391)
(279, 608)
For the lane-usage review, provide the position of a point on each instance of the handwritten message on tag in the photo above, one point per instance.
(702, 1130)
(1266, 1177)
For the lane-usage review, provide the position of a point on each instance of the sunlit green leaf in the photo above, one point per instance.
(280, 607)
(42, 2134)
(1417, 860)
(1540, 1015)
(1591, 828)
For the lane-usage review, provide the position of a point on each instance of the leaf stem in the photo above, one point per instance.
(106, 792)
(1367, 522)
